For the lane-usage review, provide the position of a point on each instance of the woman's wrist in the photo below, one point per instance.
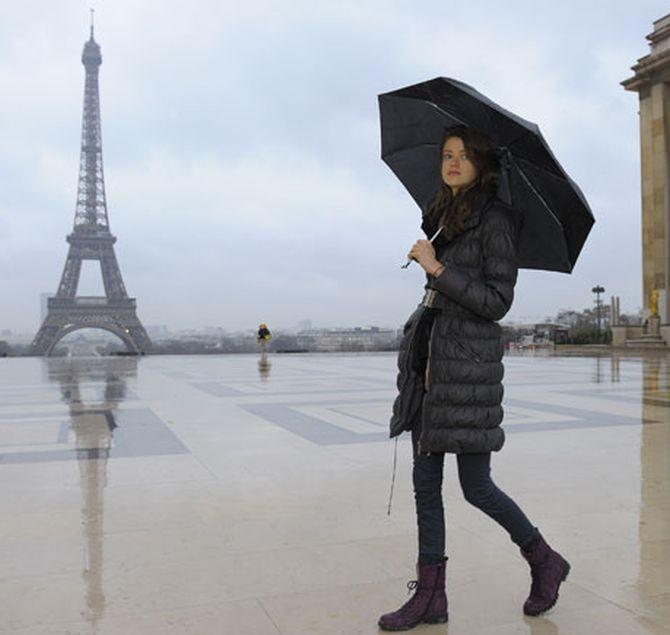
(435, 269)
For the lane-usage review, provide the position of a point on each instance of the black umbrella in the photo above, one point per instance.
(556, 216)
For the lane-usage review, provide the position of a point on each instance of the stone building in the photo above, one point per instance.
(652, 83)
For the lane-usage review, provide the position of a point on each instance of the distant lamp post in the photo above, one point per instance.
(598, 290)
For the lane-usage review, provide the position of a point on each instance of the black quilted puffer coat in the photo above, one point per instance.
(460, 341)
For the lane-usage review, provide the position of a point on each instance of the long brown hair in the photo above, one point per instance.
(453, 210)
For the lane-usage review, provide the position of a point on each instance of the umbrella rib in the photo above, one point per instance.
(447, 112)
(532, 187)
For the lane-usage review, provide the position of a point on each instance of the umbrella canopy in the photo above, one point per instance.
(556, 216)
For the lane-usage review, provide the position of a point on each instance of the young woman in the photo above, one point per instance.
(451, 370)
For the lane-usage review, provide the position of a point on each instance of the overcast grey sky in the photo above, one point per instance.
(241, 147)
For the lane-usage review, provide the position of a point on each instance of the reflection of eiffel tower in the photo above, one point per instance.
(92, 422)
(91, 239)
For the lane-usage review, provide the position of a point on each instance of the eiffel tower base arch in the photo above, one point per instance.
(118, 318)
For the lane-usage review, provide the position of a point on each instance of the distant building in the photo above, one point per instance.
(537, 333)
(304, 325)
(157, 331)
(217, 331)
(551, 332)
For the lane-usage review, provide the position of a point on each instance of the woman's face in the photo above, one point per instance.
(458, 170)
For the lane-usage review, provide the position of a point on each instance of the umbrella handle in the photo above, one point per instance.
(410, 260)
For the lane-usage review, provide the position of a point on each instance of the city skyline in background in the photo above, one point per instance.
(242, 155)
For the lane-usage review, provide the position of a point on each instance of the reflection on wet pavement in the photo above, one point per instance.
(237, 495)
(264, 367)
(93, 424)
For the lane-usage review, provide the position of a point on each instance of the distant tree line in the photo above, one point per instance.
(583, 325)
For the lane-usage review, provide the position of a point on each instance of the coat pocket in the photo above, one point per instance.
(466, 349)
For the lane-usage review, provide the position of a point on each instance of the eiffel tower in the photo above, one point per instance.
(91, 239)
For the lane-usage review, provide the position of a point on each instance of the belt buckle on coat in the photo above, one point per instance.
(429, 298)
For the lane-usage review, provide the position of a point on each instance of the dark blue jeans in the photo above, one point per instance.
(474, 474)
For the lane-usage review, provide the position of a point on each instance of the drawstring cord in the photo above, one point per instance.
(395, 462)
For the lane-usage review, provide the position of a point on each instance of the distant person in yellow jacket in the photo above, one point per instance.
(264, 336)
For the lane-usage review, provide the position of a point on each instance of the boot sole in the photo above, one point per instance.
(566, 571)
(435, 619)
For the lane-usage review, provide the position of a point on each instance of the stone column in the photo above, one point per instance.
(614, 311)
(652, 82)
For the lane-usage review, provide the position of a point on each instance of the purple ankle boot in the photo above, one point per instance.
(428, 604)
(547, 569)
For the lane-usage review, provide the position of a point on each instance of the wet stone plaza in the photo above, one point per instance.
(215, 494)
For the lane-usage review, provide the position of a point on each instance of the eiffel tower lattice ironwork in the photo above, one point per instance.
(91, 239)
